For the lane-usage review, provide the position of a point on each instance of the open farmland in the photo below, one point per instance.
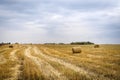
(57, 62)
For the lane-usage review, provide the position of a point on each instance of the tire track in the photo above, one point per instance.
(13, 57)
(2, 59)
(47, 70)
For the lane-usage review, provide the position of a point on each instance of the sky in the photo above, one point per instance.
(43, 21)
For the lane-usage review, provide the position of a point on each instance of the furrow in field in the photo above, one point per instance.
(47, 70)
(16, 70)
(2, 59)
(13, 55)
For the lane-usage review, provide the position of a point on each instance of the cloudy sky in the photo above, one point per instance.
(40, 21)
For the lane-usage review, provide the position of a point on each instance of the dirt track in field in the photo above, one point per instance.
(16, 71)
(44, 66)
(2, 59)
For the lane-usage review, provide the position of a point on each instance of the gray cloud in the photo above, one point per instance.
(60, 21)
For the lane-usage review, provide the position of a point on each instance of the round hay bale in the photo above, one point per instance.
(96, 46)
(11, 46)
(76, 50)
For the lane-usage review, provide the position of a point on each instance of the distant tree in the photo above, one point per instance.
(81, 43)
(5, 43)
(9, 43)
(50, 43)
(61, 43)
(16, 43)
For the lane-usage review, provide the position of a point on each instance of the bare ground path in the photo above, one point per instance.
(2, 59)
(13, 57)
(47, 70)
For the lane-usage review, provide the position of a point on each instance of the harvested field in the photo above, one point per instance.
(57, 62)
